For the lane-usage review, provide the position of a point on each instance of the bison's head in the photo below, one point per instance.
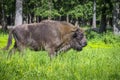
(78, 40)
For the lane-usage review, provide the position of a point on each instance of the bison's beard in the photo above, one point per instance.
(63, 49)
(73, 44)
(77, 47)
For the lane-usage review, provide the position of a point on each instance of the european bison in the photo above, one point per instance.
(49, 35)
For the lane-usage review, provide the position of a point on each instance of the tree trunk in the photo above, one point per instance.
(50, 9)
(29, 18)
(18, 16)
(94, 15)
(32, 17)
(67, 18)
(76, 23)
(116, 19)
(13, 18)
(111, 11)
(0, 11)
(3, 22)
(103, 20)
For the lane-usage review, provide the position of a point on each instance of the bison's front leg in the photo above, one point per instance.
(51, 52)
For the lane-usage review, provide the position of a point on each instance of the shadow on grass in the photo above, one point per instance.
(114, 77)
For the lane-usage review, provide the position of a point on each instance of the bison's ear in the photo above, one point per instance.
(75, 33)
(78, 33)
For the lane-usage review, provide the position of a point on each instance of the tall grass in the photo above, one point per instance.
(98, 61)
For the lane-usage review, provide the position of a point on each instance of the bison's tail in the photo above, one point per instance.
(9, 40)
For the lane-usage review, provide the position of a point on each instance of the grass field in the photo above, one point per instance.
(100, 60)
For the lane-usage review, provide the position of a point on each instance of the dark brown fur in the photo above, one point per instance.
(52, 36)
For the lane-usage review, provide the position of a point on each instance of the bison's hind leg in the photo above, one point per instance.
(17, 47)
(12, 51)
(20, 47)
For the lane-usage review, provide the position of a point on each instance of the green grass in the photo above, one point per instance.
(97, 61)
(3, 40)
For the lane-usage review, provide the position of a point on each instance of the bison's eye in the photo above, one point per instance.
(74, 35)
(79, 36)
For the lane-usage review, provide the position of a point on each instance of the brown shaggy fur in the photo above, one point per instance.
(49, 35)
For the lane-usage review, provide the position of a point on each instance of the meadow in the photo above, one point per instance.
(99, 60)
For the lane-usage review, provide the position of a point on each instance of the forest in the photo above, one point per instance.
(99, 60)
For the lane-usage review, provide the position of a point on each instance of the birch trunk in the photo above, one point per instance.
(18, 14)
(94, 15)
(116, 19)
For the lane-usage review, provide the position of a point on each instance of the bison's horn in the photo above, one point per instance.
(74, 29)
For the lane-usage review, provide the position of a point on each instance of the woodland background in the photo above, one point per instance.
(94, 13)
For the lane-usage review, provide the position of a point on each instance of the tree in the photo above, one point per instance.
(116, 18)
(3, 21)
(105, 9)
(81, 12)
(18, 16)
(94, 14)
(46, 9)
(103, 17)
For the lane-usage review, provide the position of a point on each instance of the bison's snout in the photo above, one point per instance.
(84, 44)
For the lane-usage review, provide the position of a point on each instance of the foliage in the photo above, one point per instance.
(53, 8)
(46, 9)
(8, 6)
(104, 40)
(107, 38)
(81, 11)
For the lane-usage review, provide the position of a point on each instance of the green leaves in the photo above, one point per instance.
(45, 8)
(46, 12)
(76, 11)
(81, 11)
(55, 8)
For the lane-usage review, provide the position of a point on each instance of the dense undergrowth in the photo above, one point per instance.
(100, 60)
